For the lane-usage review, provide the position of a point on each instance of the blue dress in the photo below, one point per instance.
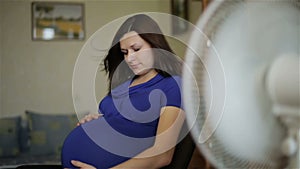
(128, 126)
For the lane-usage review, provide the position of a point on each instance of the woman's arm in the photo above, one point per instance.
(161, 153)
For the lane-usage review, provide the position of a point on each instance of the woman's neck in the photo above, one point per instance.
(144, 78)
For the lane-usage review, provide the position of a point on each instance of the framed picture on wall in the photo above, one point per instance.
(57, 21)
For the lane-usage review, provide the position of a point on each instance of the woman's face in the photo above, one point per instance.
(137, 53)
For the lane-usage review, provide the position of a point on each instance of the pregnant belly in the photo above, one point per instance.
(101, 145)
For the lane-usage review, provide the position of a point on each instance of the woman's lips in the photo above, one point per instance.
(135, 66)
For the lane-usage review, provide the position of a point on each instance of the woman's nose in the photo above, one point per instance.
(130, 56)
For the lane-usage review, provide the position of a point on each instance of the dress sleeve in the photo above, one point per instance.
(172, 91)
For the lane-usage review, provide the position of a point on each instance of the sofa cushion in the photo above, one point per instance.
(9, 136)
(48, 131)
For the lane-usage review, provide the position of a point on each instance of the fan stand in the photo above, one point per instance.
(290, 145)
(283, 88)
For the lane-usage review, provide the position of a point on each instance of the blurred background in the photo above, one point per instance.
(36, 74)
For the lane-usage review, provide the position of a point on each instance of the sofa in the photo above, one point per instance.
(34, 138)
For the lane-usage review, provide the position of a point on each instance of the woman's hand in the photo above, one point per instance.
(82, 165)
(89, 117)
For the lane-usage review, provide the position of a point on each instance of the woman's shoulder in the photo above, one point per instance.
(172, 80)
(169, 84)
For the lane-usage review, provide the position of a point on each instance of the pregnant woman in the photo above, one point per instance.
(140, 118)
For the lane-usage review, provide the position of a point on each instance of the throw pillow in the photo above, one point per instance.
(9, 136)
(48, 131)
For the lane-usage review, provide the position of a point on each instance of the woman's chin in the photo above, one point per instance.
(141, 72)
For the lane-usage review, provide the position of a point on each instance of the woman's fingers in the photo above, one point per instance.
(82, 165)
(89, 117)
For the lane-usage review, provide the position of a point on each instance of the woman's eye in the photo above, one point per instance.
(124, 52)
(137, 49)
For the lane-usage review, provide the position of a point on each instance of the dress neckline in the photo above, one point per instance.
(125, 88)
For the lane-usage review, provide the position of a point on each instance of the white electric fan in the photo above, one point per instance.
(241, 83)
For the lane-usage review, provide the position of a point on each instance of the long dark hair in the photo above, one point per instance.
(165, 61)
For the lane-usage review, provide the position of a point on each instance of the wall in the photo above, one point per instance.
(194, 10)
(35, 75)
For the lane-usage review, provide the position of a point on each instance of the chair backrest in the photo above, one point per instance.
(183, 152)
